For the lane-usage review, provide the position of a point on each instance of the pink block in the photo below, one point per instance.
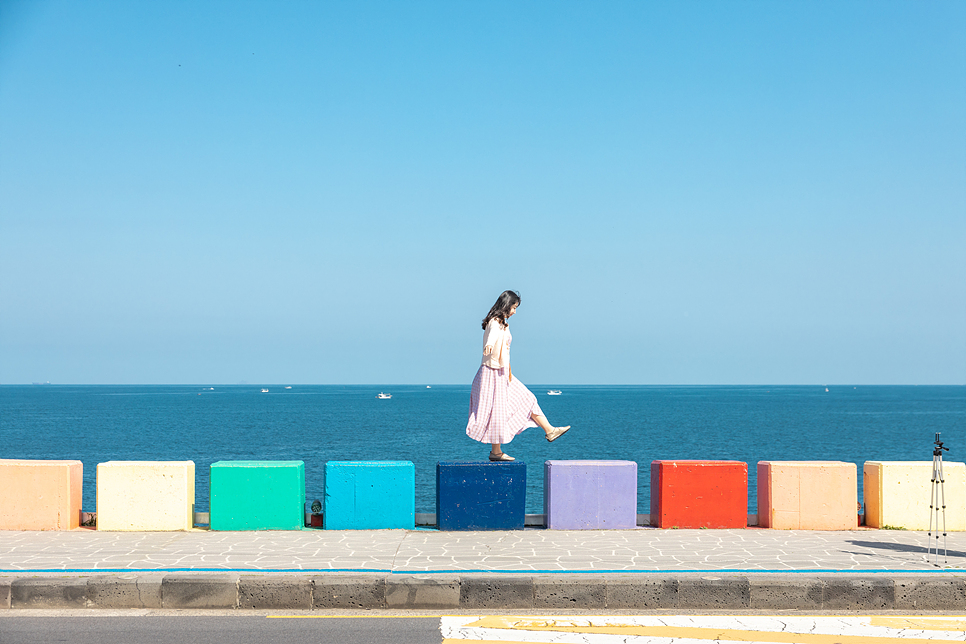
(40, 495)
(807, 495)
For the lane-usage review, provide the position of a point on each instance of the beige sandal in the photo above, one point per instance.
(556, 433)
(501, 457)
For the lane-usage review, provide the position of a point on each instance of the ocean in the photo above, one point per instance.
(317, 423)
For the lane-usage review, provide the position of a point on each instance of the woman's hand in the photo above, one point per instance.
(487, 350)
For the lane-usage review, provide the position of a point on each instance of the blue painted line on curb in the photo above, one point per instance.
(478, 571)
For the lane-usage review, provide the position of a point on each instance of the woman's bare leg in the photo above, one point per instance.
(543, 423)
(496, 454)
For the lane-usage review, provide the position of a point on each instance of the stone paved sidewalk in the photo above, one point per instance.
(429, 551)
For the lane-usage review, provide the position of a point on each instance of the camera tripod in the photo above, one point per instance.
(937, 499)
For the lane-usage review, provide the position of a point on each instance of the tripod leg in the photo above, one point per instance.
(942, 493)
(932, 504)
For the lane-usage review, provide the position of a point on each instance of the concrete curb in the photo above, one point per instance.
(764, 591)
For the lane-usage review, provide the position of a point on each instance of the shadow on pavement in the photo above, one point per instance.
(903, 547)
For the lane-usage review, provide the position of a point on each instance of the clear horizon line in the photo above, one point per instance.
(457, 384)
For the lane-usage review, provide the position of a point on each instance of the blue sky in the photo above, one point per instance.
(683, 193)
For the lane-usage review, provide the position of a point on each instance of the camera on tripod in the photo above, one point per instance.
(939, 446)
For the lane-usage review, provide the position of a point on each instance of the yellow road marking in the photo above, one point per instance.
(352, 616)
(918, 623)
(462, 641)
(691, 632)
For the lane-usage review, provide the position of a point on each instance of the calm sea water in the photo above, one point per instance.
(425, 425)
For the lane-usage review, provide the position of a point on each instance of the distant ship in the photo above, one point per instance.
(384, 396)
(553, 392)
(289, 387)
(264, 391)
(428, 387)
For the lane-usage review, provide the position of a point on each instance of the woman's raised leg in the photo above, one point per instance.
(553, 433)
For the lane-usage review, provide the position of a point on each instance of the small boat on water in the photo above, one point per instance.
(384, 396)
(264, 391)
(553, 392)
(289, 387)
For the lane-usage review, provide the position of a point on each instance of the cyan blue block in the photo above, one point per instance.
(481, 495)
(369, 495)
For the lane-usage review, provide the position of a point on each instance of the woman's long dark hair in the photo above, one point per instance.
(506, 301)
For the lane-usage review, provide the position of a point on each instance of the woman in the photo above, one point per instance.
(501, 406)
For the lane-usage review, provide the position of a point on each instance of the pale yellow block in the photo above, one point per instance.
(898, 493)
(145, 496)
(40, 495)
(807, 495)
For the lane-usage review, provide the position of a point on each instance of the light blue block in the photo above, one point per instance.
(369, 495)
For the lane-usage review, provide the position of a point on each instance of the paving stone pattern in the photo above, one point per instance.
(430, 551)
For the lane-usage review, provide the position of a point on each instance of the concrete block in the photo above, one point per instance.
(274, 591)
(5, 591)
(480, 495)
(370, 495)
(500, 592)
(348, 591)
(257, 495)
(785, 592)
(898, 494)
(48, 592)
(590, 495)
(569, 591)
(859, 593)
(930, 593)
(124, 591)
(199, 591)
(406, 592)
(699, 494)
(725, 592)
(807, 495)
(145, 496)
(642, 591)
(40, 495)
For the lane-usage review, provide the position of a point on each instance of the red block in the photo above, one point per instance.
(699, 494)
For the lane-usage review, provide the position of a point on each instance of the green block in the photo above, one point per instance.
(257, 495)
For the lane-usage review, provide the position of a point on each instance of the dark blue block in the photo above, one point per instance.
(480, 495)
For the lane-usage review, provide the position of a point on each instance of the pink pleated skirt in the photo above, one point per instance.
(499, 409)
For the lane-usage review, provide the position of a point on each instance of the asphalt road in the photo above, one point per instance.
(219, 630)
(232, 627)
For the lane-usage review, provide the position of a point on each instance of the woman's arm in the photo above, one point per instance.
(491, 336)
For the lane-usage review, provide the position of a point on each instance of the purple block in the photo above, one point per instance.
(590, 495)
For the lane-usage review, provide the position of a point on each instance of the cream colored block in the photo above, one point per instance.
(145, 496)
(40, 495)
(898, 494)
(807, 495)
